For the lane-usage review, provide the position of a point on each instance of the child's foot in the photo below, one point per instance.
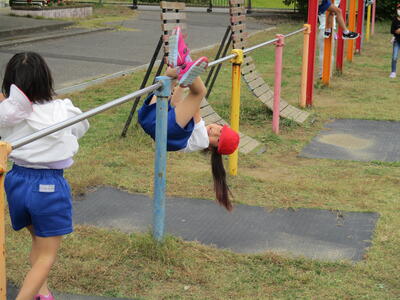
(392, 75)
(178, 51)
(42, 297)
(350, 35)
(191, 70)
(327, 34)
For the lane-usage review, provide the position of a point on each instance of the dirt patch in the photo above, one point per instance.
(347, 141)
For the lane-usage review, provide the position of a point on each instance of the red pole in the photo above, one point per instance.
(340, 45)
(360, 22)
(312, 20)
(278, 81)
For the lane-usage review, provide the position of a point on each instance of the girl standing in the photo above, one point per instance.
(186, 129)
(39, 198)
(395, 30)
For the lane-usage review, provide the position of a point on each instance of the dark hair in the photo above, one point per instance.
(30, 73)
(219, 175)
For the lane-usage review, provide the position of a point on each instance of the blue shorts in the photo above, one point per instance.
(323, 7)
(39, 197)
(177, 136)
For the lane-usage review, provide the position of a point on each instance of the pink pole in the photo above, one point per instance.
(373, 18)
(278, 80)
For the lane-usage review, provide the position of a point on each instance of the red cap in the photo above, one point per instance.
(228, 141)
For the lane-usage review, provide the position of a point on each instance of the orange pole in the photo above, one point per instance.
(352, 27)
(326, 70)
(5, 149)
(304, 68)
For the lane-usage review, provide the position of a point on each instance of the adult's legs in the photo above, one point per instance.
(42, 257)
(395, 55)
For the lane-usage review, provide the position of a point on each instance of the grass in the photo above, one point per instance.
(105, 262)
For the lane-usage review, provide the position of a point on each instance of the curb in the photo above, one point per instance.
(28, 30)
(50, 37)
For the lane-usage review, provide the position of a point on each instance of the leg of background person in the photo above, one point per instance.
(395, 55)
(339, 16)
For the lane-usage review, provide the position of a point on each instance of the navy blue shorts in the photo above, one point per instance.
(39, 197)
(323, 7)
(177, 136)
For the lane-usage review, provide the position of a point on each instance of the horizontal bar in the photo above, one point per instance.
(247, 50)
(49, 130)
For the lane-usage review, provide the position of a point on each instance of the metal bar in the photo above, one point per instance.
(160, 167)
(294, 32)
(144, 82)
(218, 54)
(218, 69)
(352, 26)
(304, 68)
(327, 60)
(340, 44)
(373, 18)
(49, 130)
(360, 25)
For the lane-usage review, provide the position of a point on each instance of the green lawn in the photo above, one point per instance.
(105, 262)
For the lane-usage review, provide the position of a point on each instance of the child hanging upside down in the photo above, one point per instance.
(326, 5)
(187, 131)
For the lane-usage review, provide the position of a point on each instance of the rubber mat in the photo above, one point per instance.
(312, 233)
(359, 140)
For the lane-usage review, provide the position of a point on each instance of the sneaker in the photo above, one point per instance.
(42, 297)
(178, 51)
(392, 75)
(191, 70)
(350, 35)
(327, 34)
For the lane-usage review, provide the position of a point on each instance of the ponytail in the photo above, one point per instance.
(219, 175)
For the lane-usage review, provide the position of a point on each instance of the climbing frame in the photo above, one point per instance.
(253, 79)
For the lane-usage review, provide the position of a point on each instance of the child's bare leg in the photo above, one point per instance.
(44, 254)
(339, 16)
(329, 21)
(186, 109)
(33, 255)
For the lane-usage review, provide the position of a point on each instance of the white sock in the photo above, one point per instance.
(346, 31)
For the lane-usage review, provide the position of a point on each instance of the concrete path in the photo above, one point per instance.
(85, 57)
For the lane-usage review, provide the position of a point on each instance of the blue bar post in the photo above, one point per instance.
(161, 157)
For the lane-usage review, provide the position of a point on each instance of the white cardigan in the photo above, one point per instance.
(20, 118)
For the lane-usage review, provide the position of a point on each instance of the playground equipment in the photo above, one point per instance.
(172, 15)
(161, 88)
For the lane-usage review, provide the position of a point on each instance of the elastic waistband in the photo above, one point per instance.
(37, 172)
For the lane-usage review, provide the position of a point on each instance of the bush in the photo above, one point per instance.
(385, 9)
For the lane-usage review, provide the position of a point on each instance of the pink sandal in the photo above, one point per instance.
(42, 297)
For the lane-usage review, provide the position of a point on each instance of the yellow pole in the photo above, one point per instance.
(5, 149)
(368, 23)
(304, 68)
(235, 105)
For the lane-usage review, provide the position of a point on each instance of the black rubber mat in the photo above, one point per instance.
(12, 293)
(317, 234)
(359, 140)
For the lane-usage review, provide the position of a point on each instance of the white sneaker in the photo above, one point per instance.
(392, 75)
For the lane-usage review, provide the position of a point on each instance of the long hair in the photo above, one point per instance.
(219, 175)
(30, 73)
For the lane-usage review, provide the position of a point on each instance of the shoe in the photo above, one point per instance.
(42, 297)
(392, 75)
(191, 70)
(350, 35)
(178, 51)
(327, 34)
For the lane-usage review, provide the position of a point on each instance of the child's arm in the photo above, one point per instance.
(15, 108)
(2, 97)
(78, 129)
